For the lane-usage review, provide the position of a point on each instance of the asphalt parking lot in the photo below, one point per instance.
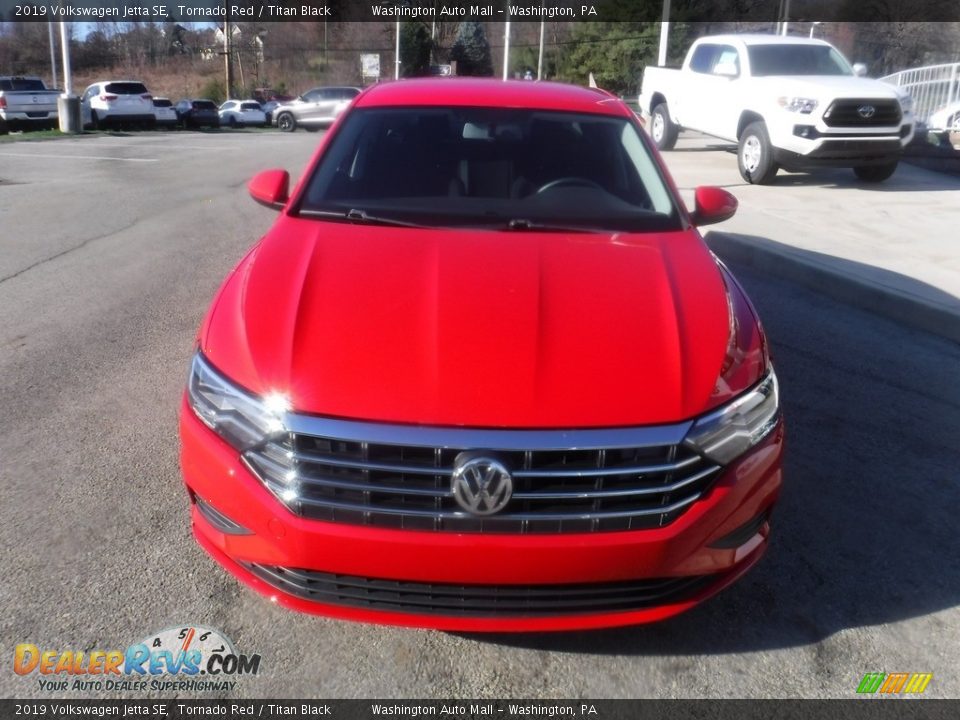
(110, 250)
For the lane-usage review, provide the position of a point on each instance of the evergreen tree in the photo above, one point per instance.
(471, 50)
(415, 49)
(616, 53)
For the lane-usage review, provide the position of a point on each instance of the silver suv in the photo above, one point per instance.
(314, 108)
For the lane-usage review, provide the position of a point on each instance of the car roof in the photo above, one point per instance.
(762, 39)
(485, 92)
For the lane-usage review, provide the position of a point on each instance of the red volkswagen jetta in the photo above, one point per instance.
(483, 374)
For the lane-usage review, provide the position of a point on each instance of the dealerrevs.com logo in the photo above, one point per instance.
(178, 659)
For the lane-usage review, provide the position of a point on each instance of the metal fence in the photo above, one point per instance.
(931, 87)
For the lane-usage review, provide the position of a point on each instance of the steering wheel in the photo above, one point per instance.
(572, 181)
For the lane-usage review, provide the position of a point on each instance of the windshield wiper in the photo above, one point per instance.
(521, 224)
(360, 216)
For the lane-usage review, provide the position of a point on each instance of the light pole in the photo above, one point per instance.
(540, 57)
(68, 104)
(506, 45)
(396, 72)
(664, 34)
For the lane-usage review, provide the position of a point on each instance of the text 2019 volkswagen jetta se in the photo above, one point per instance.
(483, 374)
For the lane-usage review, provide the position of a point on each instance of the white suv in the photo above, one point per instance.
(115, 102)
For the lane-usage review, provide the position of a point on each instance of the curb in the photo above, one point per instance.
(892, 303)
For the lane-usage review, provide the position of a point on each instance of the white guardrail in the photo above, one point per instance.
(931, 87)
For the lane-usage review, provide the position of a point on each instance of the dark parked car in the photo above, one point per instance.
(198, 113)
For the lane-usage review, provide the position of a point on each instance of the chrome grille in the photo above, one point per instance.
(845, 113)
(569, 481)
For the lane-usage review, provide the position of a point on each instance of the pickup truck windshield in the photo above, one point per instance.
(22, 84)
(796, 60)
(502, 169)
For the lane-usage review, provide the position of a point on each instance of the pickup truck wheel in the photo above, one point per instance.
(755, 155)
(286, 122)
(875, 173)
(662, 129)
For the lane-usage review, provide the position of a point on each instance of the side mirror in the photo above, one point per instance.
(859, 69)
(727, 70)
(270, 188)
(712, 205)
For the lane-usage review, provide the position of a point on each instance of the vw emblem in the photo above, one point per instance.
(866, 111)
(481, 485)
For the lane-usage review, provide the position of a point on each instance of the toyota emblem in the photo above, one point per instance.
(866, 111)
(481, 485)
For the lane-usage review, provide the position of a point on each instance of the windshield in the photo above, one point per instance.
(126, 88)
(491, 168)
(204, 105)
(797, 60)
(22, 84)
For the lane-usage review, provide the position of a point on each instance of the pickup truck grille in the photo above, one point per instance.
(407, 486)
(857, 113)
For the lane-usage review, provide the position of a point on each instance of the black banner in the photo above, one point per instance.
(265, 11)
(854, 709)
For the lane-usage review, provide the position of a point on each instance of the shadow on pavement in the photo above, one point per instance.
(866, 529)
(891, 294)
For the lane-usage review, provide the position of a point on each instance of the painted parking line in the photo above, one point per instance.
(76, 157)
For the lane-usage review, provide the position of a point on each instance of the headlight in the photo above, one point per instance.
(906, 103)
(727, 433)
(798, 104)
(242, 419)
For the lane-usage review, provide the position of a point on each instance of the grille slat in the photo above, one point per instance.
(459, 514)
(478, 600)
(590, 486)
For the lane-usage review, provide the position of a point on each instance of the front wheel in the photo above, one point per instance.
(286, 122)
(755, 155)
(875, 173)
(662, 129)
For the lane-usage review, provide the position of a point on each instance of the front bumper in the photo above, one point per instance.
(800, 144)
(695, 546)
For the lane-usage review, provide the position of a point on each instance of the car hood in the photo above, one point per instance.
(830, 87)
(474, 328)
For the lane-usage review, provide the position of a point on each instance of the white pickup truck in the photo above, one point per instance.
(26, 103)
(787, 102)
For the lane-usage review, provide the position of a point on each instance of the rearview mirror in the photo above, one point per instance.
(270, 188)
(712, 205)
(859, 69)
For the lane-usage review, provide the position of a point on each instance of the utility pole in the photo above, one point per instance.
(228, 51)
(53, 53)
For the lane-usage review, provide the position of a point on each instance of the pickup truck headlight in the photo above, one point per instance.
(239, 417)
(906, 103)
(726, 433)
(801, 105)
